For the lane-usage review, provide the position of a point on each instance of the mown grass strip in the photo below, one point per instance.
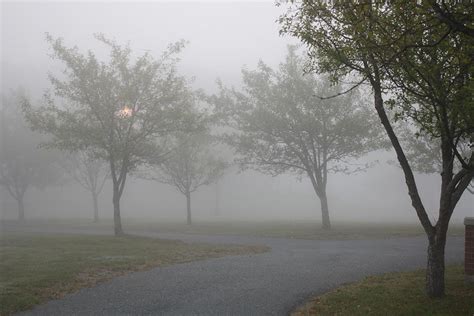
(395, 294)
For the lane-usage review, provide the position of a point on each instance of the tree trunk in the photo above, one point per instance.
(435, 267)
(451, 189)
(117, 219)
(188, 205)
(96, 207)
(325, 211)
(320, 190)
(21, 209)
(4, 205)
(217, 210)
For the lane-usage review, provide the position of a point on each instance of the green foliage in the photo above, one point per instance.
(409, 54)
(114, 109)
(425, 64)
(284, 120)
(119, 111)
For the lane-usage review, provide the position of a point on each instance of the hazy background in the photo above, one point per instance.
(223, 37)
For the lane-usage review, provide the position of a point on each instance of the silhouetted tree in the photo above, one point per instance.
(281, 123)
(401, 47)
(22, 164)
(90, 173)
(190, 165)
(117, 110)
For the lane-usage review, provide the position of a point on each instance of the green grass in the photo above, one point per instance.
(311, 230)
(288, 229)
(395, 294)
(285, 229)
(35, 268)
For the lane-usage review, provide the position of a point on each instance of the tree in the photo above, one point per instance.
(90, 173)
(403, 48)
(117, 110)
(282, 124)
(22, 164)
(190, 165)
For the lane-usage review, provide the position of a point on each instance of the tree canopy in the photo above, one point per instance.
(117, 109)
(281, 122)
(418, 66)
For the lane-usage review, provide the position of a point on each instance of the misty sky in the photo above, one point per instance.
(223, 37)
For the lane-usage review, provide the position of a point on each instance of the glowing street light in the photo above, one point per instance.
(124, 112)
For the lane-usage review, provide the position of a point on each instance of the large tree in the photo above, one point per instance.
(403, 48)
(22, 164)
(282, 123)
(90, 173)
(116, 109)
(191, 164)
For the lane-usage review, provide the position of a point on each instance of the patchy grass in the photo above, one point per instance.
(395, 294)
(37, 268)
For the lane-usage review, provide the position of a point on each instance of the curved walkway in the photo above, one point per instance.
(272, 283)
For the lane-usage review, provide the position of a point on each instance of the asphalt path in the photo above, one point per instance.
(272, 283)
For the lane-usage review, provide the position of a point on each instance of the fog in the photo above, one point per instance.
(223, 37)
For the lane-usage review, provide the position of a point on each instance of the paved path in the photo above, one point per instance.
(272, 283)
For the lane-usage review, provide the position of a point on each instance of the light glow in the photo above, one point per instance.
(125, 112)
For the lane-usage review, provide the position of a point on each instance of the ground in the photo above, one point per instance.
(284, 229)
(35, 268)
(395, 294)
(271, 283)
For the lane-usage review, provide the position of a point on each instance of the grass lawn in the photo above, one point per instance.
(35, 268)
(395, 294)
(288, 229)
(285, 229)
